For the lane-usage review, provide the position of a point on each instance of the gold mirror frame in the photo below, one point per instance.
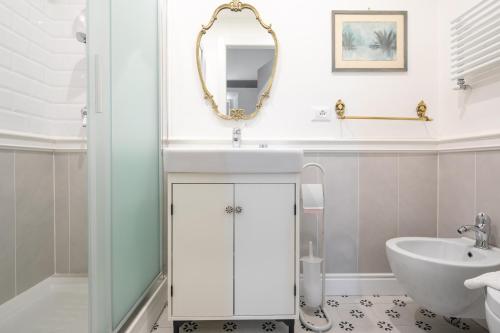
(236, 114)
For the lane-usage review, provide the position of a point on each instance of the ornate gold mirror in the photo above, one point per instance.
(236, 54)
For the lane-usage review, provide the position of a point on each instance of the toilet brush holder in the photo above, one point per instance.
(311, 268)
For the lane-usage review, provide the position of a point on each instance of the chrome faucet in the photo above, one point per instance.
(236, 137)
(482, 230)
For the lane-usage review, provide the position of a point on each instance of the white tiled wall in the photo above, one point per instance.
(42, 67)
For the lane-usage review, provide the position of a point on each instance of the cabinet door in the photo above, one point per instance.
(202, 250)
(264, 249)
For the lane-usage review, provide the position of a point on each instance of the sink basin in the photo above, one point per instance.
(433, 271)
(233, 160)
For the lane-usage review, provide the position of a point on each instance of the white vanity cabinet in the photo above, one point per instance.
(202, 250)
(233, 249)
(233, 235)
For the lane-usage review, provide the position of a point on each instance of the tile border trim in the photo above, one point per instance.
(485, 141)
(38, 142)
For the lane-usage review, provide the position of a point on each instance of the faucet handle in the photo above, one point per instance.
(483, 219)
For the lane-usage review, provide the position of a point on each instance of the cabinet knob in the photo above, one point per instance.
(229, 210)
(238, 210)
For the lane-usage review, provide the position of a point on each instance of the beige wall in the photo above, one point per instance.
(43, 224)
(374, 197)
(469, 183)
(371, 198)
(71, 227)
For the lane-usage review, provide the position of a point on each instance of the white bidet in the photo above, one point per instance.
(433, 271)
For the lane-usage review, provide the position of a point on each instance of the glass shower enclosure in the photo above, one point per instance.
(125, 165)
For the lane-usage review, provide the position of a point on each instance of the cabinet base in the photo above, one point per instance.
(288, 322)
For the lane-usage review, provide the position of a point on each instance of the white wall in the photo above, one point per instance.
(42, 67)
(304, 77)
(42, 74)
(474, 112)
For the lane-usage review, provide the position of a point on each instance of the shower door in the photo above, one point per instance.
(124, 148)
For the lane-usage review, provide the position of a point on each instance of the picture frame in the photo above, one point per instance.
(369, 41)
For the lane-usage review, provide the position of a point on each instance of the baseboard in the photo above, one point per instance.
(144, 320)
(363, 284)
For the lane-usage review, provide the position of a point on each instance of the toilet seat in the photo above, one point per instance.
(493, 301)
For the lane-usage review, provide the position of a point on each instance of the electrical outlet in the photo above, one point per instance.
(322, 113)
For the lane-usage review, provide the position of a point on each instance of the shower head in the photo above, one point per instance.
(80, 27)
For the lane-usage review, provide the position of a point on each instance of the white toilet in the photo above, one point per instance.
(493, 310)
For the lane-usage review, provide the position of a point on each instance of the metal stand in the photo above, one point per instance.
(290, 323)
(322, 254)
(177, 326)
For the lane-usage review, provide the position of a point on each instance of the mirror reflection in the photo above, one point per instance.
(237, 56)
(248, 70)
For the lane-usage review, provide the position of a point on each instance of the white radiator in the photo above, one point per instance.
(475, 44)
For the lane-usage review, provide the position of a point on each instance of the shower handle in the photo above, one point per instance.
(97, 84)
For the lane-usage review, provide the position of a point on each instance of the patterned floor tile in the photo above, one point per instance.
(377, 299)
(443, 327)
(356, 317)
(315, 317)
(332, 303)
(464, 325)
(363, 314)
(395, 314)
(258, 326)
(158, 329)
(345, 299)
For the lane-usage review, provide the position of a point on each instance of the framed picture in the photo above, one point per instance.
(370, 41)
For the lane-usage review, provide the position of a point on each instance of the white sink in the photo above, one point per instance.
(433, 271)
(233, 160)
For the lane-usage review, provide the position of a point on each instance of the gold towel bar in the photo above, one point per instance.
(421, 113)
